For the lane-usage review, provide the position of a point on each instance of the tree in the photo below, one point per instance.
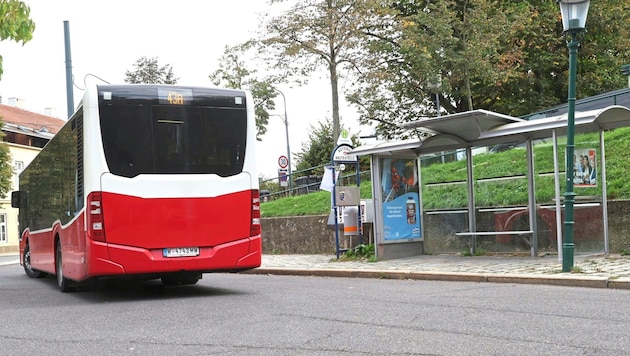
(317, 151)
(147, 71)
(16, 25)
(6, 168)
(234, 74)
(504, 56)
(445, 50)
(315, 34)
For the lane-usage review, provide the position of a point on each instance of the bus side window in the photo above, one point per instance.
(19, 199)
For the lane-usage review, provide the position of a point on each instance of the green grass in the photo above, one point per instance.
(310, 204)
(444, 184)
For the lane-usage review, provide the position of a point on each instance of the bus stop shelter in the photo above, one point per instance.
(464, 132)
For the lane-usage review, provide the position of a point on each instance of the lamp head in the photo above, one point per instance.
(574, 14)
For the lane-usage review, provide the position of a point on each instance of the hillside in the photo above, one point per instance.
(500, 178)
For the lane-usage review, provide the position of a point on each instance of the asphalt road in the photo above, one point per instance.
(232, 314)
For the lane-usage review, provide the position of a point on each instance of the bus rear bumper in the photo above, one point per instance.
(112, 260)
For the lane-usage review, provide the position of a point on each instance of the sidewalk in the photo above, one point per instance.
(589, 271)
(9, 259)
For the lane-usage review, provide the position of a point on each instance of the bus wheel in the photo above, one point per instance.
(30, 272)
(62, 282)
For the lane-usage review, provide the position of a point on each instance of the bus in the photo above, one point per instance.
(144, 181)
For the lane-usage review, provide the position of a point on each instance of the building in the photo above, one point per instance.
(26, 133)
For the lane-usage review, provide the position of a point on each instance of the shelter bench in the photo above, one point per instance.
(472, 236)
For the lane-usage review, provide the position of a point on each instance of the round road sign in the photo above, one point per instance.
(283, 161)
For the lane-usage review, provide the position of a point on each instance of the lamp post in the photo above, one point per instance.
(286, 130)
(574, 14)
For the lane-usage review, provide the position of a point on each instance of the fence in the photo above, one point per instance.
(304, 182)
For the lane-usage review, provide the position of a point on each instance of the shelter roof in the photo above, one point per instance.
(465, 125)
(388, 147)
(484, 128)
(608, 118)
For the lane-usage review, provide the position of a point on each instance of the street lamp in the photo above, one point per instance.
(286, 130)
(574, 14)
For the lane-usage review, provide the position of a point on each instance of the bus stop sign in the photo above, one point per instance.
(340, 154)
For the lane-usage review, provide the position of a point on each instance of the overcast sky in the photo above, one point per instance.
(108, 37)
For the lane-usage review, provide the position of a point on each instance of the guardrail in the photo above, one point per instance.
(309, 184)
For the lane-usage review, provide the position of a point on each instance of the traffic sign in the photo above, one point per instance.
(283, 161)
(344, 138)
(340, 154)
(282, 177)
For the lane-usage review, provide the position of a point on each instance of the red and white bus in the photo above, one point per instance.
(148, 181)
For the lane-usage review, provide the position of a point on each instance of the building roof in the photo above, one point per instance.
(618, 97)
(16, 117)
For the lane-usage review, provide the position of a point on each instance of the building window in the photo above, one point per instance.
(18, 167)
(3, 228)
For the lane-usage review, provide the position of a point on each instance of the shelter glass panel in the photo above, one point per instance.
(444, 201)
(501, 199)
(588, 214)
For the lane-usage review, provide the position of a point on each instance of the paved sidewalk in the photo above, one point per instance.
(9, 259)
(589, 271)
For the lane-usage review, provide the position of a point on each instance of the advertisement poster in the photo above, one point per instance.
(400, 198)
(585, 168)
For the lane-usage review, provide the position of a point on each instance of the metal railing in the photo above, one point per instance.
(305, 183)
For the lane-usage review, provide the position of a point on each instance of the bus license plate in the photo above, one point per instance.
(181, 252)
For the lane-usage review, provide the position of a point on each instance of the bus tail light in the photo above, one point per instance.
(255, 224)
(94, 211)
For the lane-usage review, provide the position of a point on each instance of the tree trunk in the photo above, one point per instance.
(334, 85)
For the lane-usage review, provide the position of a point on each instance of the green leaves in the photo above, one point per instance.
(317, 34)
(234, 73)
(147, 71)
(505, 56)
(15, 23)
(317, 151)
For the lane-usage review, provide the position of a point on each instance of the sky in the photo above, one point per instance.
(108, 37)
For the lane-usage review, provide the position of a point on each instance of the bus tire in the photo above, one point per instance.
(62, 282)
(28, 268)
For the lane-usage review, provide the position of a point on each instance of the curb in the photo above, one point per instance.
(8, 263)
(556, 280)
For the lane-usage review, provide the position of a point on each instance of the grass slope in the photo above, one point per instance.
(500, 178)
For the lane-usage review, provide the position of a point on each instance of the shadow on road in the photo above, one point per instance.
(134, 290)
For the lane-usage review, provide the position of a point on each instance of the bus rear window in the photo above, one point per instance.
(157, 139)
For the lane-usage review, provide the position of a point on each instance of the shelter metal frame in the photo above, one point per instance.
(479, 128)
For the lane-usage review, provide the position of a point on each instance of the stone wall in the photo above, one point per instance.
(310, 234)
(619, 225)
(297, 235)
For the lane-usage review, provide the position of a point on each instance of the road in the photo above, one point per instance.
(231, 314)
